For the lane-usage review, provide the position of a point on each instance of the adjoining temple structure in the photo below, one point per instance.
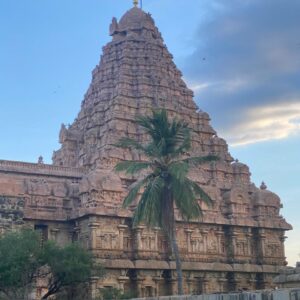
(239, 243)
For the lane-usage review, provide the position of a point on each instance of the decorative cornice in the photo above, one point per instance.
(20, 167)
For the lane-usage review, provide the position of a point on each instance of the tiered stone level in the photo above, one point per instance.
(239, 243)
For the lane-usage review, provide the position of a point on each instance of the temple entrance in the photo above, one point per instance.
(165, 286)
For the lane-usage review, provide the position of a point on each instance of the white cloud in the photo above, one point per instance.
(245, 69)
(265, 123)
(292, 247)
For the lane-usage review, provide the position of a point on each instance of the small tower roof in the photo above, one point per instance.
(136, 18)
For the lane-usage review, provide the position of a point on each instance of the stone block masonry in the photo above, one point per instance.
(239, 243)
(286, 294)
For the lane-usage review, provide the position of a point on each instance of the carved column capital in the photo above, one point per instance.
(94, 225)
(122, 227)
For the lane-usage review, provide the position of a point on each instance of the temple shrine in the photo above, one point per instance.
(238, 244)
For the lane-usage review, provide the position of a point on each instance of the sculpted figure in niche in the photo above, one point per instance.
(162, 244)
(147, 242)
(127, 243)
(59, 189)
(197, 243)
(273, 250)
(108, 241)
(38, 187)
(212, 242)
(241, 248)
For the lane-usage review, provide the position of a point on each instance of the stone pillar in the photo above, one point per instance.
(222, 281)
(219, 234)
(121, 228)
(122, 280)
(252, 282)
(93, 235)
(233, 238)
(188, 239)
(156, 230)
(282, 240)
(174, 288)
(53, 233)
(140, 286)
(249, 238)
(262, 239)
(190, 285)
(205, 285)
(94, 281)
(157, 279)
(139, 230)
(204, 233)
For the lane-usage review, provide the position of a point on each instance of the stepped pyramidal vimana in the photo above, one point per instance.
(238, 244)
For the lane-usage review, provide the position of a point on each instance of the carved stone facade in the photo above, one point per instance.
(239, 243)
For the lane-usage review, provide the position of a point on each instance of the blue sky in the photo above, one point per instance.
(241, 57)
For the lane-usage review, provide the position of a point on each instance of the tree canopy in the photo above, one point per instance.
(19, 260)
(164, 181)
(25, 264)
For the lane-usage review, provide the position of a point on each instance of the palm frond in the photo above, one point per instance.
(132, 167)
(179, 170)
(200, 193)
(182, 138)
(134, 189)
(168, 141)
(185, 199)
(169, 138)
(127, 143)
(149, 206)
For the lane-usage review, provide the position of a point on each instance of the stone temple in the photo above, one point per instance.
(239, 243)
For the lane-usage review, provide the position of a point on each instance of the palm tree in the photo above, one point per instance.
(166, 184)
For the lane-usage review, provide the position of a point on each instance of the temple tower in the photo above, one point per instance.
(239, 243)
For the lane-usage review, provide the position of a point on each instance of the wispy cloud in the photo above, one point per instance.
(245, 69)
(265, 123)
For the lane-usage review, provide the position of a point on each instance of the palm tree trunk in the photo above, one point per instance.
(170, 228)
(178, 262)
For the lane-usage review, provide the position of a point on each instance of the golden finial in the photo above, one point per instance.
(135, 3)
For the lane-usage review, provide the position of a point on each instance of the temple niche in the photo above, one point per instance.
(237, 244)
(236, 202)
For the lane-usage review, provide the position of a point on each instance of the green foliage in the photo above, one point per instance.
(167, 170)
(19, 260)
(132, 167)
(68, 266)
(116, 294)
(166, 183)
(23, 260)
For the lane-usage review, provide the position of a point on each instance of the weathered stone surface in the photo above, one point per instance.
(288, 277)
(239, 244)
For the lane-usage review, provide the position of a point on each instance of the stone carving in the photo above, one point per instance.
(11, 212)
(37, 187)
(197, 243)
(108, 240)
(80, 196)
(212, 242)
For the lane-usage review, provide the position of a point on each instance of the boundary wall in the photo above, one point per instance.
(282, 294)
